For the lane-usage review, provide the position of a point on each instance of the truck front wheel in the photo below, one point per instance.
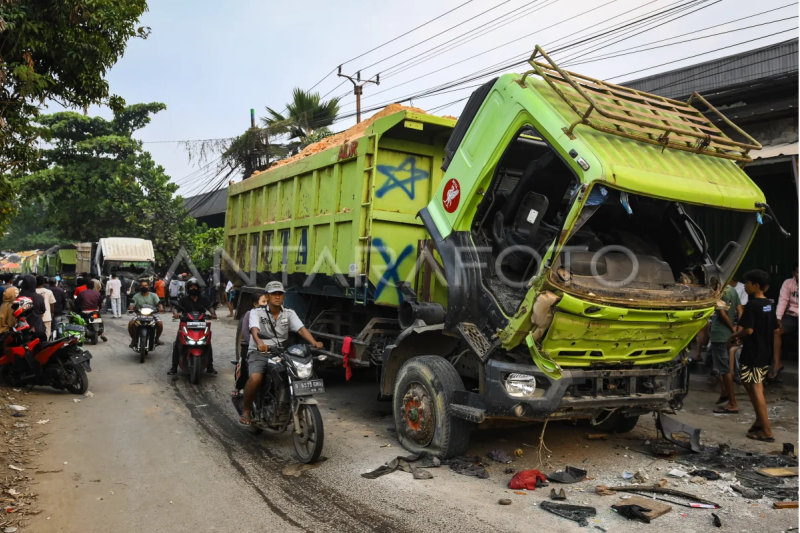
(423, 392)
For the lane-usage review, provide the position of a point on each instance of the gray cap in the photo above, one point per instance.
(274, 286)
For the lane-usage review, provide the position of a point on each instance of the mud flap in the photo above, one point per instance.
(545, 363)
(670, 427)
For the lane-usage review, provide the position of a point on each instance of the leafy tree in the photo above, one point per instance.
(96, 182)
(28, 231)
(54, 51)
(204, 244)
(307, 114)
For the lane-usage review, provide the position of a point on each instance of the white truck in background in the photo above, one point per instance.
(132, 258)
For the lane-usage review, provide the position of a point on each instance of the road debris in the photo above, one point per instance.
(570, 474)
(76, 400)
(696, 501)
(785, 505)
(411, 464)
(633, 512)
(576, 513)
(18, 469)
(558, 496)
(603, 490)
(750, 494)
(597, 436)
(518, 452)
(649, 508)
(44, 421)
(298, 469)
(17, 407)
(677, 473)
(679, 433)
(499, 456)
(504, 501)
(88, 394)
(716, 521)
(707, 474)
(527, 479)
(467, 465)
(778, 472)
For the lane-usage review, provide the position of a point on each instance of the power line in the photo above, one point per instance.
(700, 54)
(592, 60)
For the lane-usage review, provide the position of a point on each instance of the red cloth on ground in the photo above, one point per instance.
(526, 479)
(346, 347)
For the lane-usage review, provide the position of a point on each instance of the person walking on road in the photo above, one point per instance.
(721, 329)
(230, 294)
(28, 289)
(787, 316)
(160, 287)
(62, 303)
(761, 345)
(49, 304)
(114, 290)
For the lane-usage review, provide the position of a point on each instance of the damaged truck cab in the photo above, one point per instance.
(567, 226)
(547, 256)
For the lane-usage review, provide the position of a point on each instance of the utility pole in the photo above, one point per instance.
(358, 87)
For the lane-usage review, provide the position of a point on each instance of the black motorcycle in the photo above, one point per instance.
(284, 400)
(145, 331)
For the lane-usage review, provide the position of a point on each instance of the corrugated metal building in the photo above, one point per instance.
(208, 208)
(758, 91)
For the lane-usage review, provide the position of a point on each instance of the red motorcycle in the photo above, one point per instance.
(193, 344)
(60, 363)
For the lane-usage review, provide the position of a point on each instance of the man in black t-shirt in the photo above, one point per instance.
(761, 347)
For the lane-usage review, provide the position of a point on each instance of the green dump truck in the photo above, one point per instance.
(542, 258)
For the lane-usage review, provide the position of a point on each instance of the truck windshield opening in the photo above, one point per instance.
(635, 247)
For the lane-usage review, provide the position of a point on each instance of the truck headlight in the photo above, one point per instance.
(303, 370)
(520, 385)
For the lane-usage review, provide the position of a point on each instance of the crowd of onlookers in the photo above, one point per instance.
(750, 336)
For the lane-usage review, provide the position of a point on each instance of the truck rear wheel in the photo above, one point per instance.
(423, 392)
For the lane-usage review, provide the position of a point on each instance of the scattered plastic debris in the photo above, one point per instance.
(527, 479)
(558, 496)
(633, 512)
(76, 400)
(570, 474)
(576, 513)
(88, 394)
(677, 473)
(627, 475)
(17, 407)
(499, 456)
(18, 469)
(44, 421)
(707, 474)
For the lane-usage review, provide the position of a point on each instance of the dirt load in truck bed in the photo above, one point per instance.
(340, 138)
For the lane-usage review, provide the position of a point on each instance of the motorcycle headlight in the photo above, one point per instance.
(303, 370)
(190, 341)
(146, 311)
(520, 385)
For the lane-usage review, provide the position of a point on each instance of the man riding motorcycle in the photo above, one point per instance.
(193, 302)
(276, 322)
(145, 297)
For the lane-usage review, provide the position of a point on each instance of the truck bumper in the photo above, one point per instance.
(580, 393)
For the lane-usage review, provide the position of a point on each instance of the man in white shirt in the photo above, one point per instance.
(739, 288)
(49, 302)
(230, 294)
(114, 292)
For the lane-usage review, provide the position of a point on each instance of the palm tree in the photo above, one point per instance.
(307, 115)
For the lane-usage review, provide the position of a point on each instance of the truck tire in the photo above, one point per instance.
(423, 393)
(618, 423)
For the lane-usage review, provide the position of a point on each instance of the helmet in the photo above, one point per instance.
(22, 307)
(192, 283)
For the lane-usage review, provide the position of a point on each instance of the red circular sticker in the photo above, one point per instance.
(451, 196)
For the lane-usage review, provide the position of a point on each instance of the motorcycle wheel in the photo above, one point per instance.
(93, 338)
(142, 353)
(80, 382)
(308, 444)
(10, 377)
(195, 369)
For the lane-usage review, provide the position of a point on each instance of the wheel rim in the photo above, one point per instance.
(307, 438)
(75, 380)
(418, 416)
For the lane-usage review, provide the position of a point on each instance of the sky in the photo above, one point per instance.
(211, 62)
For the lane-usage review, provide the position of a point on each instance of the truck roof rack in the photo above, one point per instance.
(641, 116)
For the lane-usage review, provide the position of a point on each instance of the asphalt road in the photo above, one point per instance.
(149, 453)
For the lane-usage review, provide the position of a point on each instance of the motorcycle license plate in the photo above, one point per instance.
(75, 328)
(195, 324)
(306, 388)
(96, 321)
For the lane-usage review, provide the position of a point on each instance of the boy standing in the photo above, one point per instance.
(721, 330)
(761, 347)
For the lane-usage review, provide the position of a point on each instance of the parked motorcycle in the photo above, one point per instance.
(193, 344)
(285, 399)
(145, 330)
(94, 325)
(59, 363)
(70, 326)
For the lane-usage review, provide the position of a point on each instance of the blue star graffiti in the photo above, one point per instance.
(391, 277)
(403, 176)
